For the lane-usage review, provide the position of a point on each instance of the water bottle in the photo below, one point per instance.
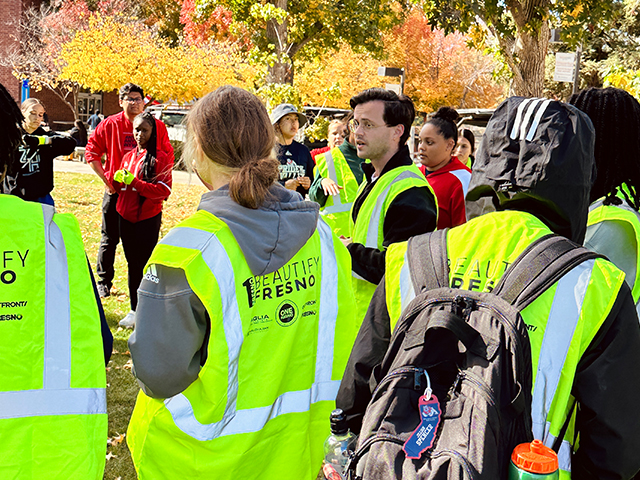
(338, 447)
(533, 461)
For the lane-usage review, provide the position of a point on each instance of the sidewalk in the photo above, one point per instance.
(79, 167)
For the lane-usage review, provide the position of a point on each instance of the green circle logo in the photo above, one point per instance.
(287, 313)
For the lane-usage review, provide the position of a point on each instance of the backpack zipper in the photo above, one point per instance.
(511, 329)
(417, 371)
(483, 389)
(366, 446)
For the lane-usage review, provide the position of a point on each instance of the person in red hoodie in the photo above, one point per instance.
(143, 183)
(448, 177)
(113, 137)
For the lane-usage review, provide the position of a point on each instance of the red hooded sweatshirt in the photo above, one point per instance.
(141, 200)
(450, 184)
(114, 137)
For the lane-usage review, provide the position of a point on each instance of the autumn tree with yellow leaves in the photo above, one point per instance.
(115, 50)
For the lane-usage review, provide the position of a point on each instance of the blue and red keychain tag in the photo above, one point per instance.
(423, 437)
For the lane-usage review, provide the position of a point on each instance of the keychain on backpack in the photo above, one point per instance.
(423, 437)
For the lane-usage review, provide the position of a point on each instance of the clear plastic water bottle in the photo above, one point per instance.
(533, 461)
(338, 447)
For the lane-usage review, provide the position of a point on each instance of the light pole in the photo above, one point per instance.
(393, 72)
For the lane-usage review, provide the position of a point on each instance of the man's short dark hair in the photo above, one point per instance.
(129, 88)
(398, 109)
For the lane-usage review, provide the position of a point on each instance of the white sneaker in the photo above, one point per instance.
(129, 321)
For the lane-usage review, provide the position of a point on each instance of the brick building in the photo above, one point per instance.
(60, 115)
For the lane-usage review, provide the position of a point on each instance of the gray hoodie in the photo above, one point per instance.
(169, 344)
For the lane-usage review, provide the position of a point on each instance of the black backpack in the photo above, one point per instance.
(474, 349)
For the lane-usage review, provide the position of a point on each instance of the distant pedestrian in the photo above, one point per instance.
(79, 133)
(296, 164)
(94, 120)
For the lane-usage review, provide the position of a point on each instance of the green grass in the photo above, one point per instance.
(81, 195)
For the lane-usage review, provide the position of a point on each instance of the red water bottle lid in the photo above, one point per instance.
(534, 457)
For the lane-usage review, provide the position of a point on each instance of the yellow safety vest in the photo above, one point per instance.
(53, 412)
(598, 213)
(335, 212)
(560, 329)
(277, 351)
(368, 228)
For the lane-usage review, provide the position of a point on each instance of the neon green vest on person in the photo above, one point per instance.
(277, 350)
(368, 228)
(335, 212)
(53, 414)
(561, 322)
(598, 213)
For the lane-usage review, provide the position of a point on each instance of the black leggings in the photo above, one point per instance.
(138, 242)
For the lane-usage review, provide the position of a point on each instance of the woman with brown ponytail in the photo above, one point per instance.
(245, 316)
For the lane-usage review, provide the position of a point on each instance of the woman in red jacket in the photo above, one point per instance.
(143, 183)
(448, 177)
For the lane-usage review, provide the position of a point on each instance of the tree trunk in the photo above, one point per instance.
(526, 53)
(531, 50)
(281, 71)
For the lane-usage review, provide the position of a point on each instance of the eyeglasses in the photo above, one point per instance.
(133, 100)
(366, 125)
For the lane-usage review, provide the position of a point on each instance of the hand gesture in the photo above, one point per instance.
(330, 187)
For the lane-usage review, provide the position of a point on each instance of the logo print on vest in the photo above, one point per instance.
(287, 313)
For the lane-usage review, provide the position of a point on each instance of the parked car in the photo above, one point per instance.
(173, 117)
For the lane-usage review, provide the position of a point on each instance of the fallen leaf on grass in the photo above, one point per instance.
(111, 455)
(117, 440)
(128, 365)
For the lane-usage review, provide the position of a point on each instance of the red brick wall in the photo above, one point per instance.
(110, 104)
(59, 114)
(11, 9)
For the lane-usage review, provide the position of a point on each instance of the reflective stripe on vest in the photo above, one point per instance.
(564, 454)
(374, 222)
(252, 420)
(337, 206)
(598, 212)
(56, 397)
(337, 201)
(561, 324)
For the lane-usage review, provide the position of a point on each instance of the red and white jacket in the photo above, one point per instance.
(141, 200)
(114, 137)
(450, 184)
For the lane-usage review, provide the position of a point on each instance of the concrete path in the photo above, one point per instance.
(80, 167)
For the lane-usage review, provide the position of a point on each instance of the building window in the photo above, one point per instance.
(88, 104)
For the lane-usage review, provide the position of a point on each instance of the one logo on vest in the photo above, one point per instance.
(287, 313)
(152, 274)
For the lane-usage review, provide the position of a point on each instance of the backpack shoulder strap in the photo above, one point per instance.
(542, 264)
(427, 256)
